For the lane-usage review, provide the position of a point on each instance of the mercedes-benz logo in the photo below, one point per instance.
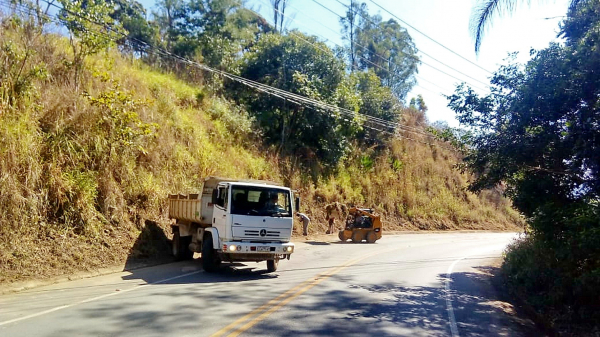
(263, 232)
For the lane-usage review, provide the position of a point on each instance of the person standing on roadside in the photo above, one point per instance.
(305, 221)
(335, 210)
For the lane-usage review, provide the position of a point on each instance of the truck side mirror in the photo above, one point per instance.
(297, 204)
(215, 195)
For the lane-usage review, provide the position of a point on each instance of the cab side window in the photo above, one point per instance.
(222, 199)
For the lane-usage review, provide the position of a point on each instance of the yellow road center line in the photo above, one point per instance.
(282, 303)
(289, 296)
(258, 310)
(276, 299)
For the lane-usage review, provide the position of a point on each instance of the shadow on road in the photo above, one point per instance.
(317, 243)
(415, 310)
(354, 309)
(385, 309)
(153, 248)
(190, 272)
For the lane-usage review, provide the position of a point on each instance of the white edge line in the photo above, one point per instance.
(93, 299)
(451, 317)
(453, 326)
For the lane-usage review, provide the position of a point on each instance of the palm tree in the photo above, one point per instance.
(486, 9)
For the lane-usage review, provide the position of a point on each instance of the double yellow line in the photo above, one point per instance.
(262, 312)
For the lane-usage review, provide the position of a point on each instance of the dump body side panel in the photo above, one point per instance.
(185, 207)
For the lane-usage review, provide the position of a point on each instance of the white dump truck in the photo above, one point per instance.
(234, 220)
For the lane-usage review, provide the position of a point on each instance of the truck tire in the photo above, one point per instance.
(180, 246)
(210, 259)
(342, 236)
(272, 265)
(371, 237)
(357, 237)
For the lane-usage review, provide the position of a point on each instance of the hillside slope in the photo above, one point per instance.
(87, 157)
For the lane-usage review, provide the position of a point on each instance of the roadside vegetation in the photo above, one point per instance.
(538, 134)
(96, 129)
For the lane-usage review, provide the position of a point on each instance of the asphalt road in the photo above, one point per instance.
(403, 285)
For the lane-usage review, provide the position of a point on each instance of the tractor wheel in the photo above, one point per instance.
(342, 236)
(272, 265)
(210, 260)
(371, 237)
(357, 237)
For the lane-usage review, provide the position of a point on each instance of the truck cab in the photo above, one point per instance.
(236, 221)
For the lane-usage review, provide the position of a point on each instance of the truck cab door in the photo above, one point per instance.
(221, 211)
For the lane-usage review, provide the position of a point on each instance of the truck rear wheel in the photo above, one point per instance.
(210, 259)
(180, 246)
(357, 237)
(272, 265)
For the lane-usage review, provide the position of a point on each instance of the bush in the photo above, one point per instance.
(560, 277)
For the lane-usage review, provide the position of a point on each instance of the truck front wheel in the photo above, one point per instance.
(210, 260)
(272, 265)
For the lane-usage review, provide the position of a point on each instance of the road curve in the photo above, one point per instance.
(403, 285)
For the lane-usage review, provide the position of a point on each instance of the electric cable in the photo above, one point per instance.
(418, 49)
(430, 38)
(294, 98)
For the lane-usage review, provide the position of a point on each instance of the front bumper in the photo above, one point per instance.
(253, 251)
(276, 248)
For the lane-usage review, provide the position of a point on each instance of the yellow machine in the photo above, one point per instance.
(361, 224)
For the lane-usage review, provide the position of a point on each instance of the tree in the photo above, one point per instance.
(537, 130)
(350, 24)
(216, 31)
(91, 27)
(229, 30)
(288, 63)
(389, 51)
(538, 133)
(418, 103)
(376, 101)
(132, 17)
(180, 22)
(279, 7)
(487, 9)
(37, 9)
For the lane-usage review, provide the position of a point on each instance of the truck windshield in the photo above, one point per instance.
(260, 201)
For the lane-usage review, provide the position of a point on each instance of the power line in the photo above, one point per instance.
(294, 98)
(392, 125)
(382, 57)
(374, 64)
(377, 120)
(421, 51)
(361, 46)
(364, 59)
(430, 38)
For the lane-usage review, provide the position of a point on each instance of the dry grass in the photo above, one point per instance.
(414, 185)
(77, 189)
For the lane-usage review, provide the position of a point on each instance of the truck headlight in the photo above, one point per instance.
(289, 249)
(232, 248)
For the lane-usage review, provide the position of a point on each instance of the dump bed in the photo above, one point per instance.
(198, 208)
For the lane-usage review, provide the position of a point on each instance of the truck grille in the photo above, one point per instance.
(257, 233)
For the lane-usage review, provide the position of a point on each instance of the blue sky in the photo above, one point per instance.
(447, 22)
